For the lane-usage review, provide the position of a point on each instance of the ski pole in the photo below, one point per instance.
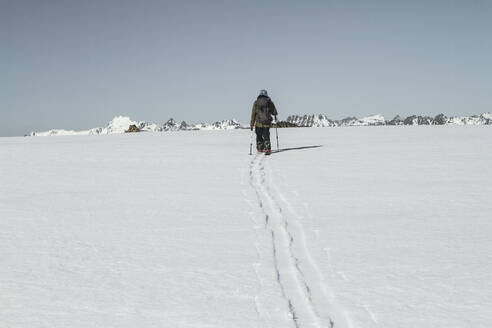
(251, 143)
(276, 131)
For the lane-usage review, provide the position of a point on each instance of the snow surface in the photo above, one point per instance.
(386, 227)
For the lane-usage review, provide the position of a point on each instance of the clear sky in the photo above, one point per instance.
(76, 64)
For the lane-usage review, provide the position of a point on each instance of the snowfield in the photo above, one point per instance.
(345, 227)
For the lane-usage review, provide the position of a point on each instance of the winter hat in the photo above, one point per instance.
(263, 93)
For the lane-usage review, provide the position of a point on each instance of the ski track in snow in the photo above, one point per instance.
(300, 282)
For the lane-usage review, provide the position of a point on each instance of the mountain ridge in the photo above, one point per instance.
(322, 120)
(120, 124)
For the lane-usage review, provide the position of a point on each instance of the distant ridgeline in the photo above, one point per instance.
(375, 120)
(284, 124)
(122, 124)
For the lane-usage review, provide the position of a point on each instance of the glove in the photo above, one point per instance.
(251, 127)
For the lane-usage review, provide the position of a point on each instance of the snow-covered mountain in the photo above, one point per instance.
(323, 121)
(120, 124)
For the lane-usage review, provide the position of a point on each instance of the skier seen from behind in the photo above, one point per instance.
(261, 116)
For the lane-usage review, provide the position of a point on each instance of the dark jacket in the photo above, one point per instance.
(272, 111)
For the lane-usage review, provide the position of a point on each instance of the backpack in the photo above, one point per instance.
(263, 115)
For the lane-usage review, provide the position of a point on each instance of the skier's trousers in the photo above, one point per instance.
(262, 138)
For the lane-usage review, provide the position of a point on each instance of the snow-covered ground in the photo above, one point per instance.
(378, 227)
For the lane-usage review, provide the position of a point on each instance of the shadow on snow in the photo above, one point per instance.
(296, 148)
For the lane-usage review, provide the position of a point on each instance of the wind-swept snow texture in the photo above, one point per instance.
(386, 227)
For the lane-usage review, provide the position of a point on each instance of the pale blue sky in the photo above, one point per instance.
(76, 64)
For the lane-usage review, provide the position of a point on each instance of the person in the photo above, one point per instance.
(261, 119)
